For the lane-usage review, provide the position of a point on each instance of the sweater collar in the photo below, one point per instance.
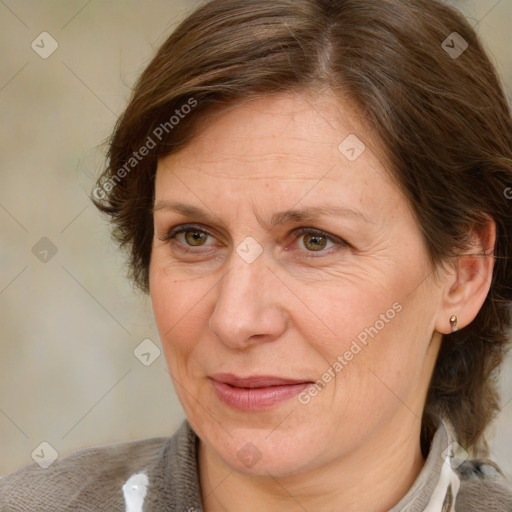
(434, 490)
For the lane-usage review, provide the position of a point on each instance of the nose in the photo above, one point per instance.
(248, 308)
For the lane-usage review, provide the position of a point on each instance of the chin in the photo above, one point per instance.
(263, 451)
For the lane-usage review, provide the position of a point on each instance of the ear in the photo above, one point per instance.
(468, 281)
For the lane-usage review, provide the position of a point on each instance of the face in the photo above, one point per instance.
(291, 288)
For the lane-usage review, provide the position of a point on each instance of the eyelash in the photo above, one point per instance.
(299, 232)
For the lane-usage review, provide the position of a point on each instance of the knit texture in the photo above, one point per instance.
(161, 475)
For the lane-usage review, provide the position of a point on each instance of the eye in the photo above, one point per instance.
(195, 237)
(315, 240)
(189, 236)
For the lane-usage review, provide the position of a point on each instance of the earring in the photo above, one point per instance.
(453, 323)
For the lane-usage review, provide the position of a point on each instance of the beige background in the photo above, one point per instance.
(69, 326)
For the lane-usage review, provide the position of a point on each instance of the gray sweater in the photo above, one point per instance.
(161, 475)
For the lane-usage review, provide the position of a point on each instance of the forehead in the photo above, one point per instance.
(285, 139)
(286, 135)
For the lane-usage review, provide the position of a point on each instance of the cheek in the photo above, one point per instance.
(173, 298)
(350, 310)
(376, 326)
(180, 307)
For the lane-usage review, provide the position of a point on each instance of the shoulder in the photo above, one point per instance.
(90, 479)
(482, 488)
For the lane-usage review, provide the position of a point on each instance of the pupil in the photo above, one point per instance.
(314, 242)
(195, 237)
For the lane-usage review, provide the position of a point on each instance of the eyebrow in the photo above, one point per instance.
(302, 215)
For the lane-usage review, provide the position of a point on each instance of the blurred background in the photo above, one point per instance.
(71, 326)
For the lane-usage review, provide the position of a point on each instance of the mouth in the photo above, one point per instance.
(255, 393)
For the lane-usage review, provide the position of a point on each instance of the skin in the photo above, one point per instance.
(293, 310)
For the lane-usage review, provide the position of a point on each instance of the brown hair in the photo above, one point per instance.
(442, 119)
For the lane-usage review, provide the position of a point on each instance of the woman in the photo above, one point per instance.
(314, 194)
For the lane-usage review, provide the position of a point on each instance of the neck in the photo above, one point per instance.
(362, 480)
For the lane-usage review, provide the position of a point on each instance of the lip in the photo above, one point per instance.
(255, 393)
